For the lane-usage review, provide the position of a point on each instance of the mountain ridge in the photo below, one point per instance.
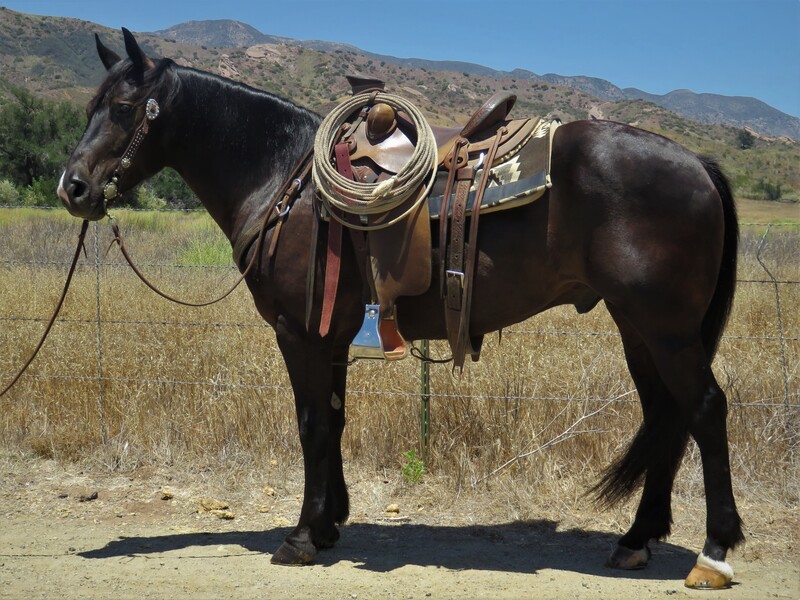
(715, 109)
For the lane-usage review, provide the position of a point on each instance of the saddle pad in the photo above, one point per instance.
(519, 177)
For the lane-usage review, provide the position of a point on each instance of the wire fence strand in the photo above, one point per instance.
(105, 269)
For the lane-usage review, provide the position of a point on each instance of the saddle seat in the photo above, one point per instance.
(389, 140)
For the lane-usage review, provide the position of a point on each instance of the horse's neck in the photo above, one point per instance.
(236, 146)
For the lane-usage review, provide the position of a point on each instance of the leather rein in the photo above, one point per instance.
(280, 205)
(274, 215)
(51, 322)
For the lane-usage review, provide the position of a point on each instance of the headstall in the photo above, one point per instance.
(111, 189)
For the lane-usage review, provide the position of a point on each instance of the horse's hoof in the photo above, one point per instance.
(625, 558)
(289, 555)
(709, 574)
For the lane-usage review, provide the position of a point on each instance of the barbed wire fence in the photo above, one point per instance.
(106, 268)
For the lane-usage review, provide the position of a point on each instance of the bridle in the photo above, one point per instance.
(275, 213)
(111, 189)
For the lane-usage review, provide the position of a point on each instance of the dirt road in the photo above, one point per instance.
(146, 535)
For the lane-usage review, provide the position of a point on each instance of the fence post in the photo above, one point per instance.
(425, 397)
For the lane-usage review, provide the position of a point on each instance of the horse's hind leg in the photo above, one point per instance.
(655, 452)
(686, 370)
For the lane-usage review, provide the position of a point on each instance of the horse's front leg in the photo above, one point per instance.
(319, 400)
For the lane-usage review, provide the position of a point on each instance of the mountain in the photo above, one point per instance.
(55, 57)
(738, 111)
(735, 111)
(218, 34)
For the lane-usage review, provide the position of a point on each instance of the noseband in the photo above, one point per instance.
(111, 189)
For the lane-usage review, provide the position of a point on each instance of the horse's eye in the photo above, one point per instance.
(124, 109)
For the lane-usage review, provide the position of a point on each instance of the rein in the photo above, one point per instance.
(279, 205)
(49, 327)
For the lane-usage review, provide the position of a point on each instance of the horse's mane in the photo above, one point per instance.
(169, 87)
(204, 78)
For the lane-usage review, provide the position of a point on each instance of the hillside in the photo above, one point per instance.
(714, 109)
(56, 58)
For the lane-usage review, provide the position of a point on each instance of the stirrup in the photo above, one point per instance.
(378, 338)
(367, 343)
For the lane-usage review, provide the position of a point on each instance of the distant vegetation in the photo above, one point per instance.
(36, 138)
(53, 60)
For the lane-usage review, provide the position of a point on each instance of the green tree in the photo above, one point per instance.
(169, 186)
(745, 139)
(36, 138)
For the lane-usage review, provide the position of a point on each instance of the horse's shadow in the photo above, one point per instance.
(518, 547)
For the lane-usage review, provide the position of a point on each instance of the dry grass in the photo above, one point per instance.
(201, 387)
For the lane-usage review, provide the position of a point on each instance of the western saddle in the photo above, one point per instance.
(376, 144)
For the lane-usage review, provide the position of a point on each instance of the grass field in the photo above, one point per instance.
(154, 383)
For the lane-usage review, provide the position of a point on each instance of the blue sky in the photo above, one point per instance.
(731, 47)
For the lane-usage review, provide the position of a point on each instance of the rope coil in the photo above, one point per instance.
(341, 195)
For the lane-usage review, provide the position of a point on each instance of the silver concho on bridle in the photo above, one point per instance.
(151, 112)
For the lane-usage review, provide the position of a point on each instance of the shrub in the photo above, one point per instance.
(42, 192)
(146, 198)
(9, 194)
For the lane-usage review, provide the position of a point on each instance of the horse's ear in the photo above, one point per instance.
(141, 62)
(108, 57)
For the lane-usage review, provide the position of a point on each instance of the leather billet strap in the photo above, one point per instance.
(459, 157)
(334, 255)
(462, 253)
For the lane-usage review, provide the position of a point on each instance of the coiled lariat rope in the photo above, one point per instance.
(342, 195)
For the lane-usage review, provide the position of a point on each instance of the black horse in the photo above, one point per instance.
(633, 219)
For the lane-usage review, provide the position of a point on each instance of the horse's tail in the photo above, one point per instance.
(664, 432)
(720, 307)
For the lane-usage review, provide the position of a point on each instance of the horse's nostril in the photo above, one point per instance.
(77, 187)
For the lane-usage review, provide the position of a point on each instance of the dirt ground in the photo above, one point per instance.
(145, 534)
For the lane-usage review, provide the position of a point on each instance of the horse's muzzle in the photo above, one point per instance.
(75, 194)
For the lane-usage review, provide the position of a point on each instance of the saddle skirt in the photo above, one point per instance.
(518, 176)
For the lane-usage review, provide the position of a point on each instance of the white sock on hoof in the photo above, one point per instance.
(717, 565)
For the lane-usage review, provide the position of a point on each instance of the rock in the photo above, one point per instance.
(210, 504)
(223, 514)
(269, 491)
(393, 508)
(167, 495)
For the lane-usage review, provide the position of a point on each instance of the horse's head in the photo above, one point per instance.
(120, 145)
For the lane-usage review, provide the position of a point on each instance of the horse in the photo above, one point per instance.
(632, 219)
